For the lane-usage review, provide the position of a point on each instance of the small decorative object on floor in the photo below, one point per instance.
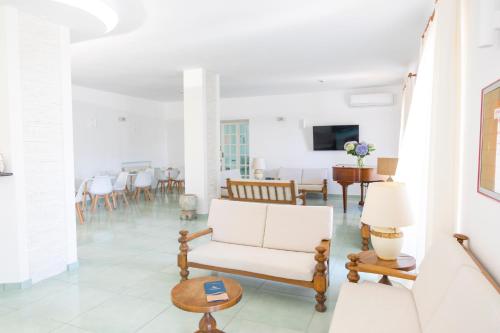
(360, 150)
(188, 204)
(215, 291)
(189, 296)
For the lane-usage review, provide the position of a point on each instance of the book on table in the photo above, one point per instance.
(215, 291)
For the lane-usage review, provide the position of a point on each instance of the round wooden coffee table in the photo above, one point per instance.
(190, 296)
(404, 262)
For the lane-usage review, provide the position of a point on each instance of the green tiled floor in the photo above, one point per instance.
(128, 266)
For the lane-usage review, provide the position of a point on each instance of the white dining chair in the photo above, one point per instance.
(101, 187)
(120, 188)
(143, 183)
(162, 181)
(179, 181)
(174, 173)
(78, 202)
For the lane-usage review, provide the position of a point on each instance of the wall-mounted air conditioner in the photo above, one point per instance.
(363, 100)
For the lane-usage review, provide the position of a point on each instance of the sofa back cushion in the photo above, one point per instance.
(290, 174)
(237, 222)
(297, 228)
(437, 271)
(470, 304)
(314, 176)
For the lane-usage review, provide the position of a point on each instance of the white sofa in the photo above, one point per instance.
(450, 294)
(308, 179)
(283, 243)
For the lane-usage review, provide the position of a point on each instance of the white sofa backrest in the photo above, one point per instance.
(314, 176)
(438, 271)
(297, 228)
(290, 174)
(470, 304)
(237, 222)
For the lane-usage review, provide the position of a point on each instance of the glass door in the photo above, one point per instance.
(234, 146)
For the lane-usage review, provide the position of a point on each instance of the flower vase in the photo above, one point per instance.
(361, 162)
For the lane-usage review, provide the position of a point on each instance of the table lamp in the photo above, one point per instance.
(386, 166)
(386, 209)
(258, 165)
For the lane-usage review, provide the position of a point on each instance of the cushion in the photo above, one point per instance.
(297, 228)
(256, 259)
(314, 176)
(470, 304)
(311, 187)
(290, 174)
(374, 308)
(237, 222)
(437, 270)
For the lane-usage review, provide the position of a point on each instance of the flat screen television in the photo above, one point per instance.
(334, 137)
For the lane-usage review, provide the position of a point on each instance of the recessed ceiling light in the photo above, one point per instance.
(321, 81)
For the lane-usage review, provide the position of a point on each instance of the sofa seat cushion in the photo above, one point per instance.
(284, 264)
(374, 308)
(294, 174)
(237, 222)
(309, 187)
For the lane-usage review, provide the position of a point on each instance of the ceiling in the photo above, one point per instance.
(258, 47)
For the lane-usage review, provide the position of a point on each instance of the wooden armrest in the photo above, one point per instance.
(367, 268)
(325, 244)
(185, 237)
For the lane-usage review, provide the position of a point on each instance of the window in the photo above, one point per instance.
(234, 146)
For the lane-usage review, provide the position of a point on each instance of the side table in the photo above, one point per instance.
(190, 296)
(403, 263)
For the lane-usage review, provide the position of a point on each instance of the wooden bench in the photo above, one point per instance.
(268, 191)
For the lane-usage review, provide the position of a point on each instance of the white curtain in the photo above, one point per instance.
(429, 151)
(408, 89)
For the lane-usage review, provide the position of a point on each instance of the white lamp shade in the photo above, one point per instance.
(387, 206)
(258, 163)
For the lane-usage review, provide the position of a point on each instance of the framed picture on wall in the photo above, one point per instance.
(488, 182)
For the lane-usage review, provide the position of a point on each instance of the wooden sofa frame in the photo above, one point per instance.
(263, 186)
(354, 267)
(319, 283)
(324, 191)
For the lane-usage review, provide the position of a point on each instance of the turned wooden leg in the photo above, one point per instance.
(320, 282)
(182, 256)
(365, 236)
(208, 324)
(353, 275)
(361, 200)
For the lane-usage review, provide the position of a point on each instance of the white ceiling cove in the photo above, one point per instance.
(258, 47)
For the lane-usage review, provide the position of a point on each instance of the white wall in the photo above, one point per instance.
(287, 144)
(102, 142)
(37, 229)
(480, 216)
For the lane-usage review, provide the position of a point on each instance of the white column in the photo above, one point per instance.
(37, 229)
(201, 135)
